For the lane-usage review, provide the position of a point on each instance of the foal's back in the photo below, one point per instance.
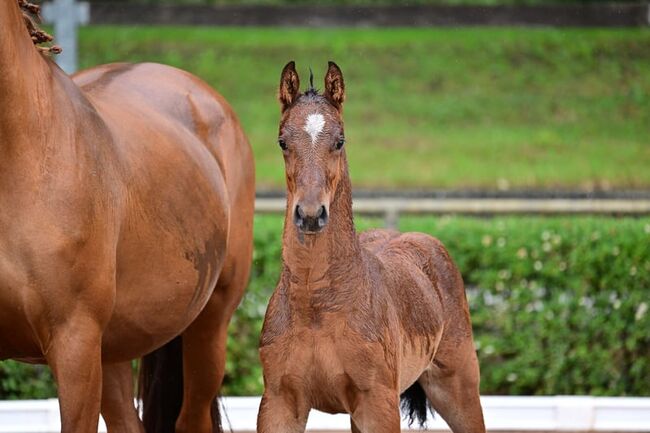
(418, 267)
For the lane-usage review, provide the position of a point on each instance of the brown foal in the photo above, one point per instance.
(127, 196)
(357, 321)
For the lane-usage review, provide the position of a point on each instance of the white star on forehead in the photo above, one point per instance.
(314, 126)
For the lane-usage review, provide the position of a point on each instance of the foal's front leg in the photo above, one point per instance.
(377, 411)
(279, 414)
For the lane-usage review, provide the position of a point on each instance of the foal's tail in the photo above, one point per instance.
(160, 389)
(414, 404)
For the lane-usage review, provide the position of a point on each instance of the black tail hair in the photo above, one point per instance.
(414, 405)
(160, 389)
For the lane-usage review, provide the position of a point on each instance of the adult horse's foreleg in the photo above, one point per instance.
(377, 411)
(452, 387)
(118, 408)
(74, 354)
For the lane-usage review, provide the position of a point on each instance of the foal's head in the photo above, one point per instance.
(311, 138)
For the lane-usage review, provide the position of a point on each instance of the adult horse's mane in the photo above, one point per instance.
(38, 36)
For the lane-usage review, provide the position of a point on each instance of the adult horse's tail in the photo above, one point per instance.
(160, 389)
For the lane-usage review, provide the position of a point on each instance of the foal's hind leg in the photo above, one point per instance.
(118, 409)
(452, 387)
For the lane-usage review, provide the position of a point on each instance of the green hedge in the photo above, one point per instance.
(559, 305)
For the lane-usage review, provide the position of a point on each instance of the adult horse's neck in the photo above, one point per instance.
(330, 256)
(26, 81)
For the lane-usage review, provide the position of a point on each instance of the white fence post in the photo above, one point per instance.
(66, 15)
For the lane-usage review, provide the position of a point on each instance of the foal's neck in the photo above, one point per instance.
(331, 257)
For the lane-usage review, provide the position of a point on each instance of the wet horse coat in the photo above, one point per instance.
(357, 321)
(128, 197)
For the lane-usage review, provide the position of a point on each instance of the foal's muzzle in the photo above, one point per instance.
(310, 221)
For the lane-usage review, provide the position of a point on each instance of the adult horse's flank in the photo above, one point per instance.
(127, 200)
(355, 322)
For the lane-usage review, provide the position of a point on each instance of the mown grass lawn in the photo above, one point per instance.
(434, 108)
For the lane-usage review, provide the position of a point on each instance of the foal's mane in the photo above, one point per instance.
(31, 10)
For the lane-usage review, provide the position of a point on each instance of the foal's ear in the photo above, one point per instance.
(289, 85)
(334, 86)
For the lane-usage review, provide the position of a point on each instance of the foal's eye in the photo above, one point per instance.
(339, 144)
(282, 143)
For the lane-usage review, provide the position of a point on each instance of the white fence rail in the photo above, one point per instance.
(391, 208)
(549, 414)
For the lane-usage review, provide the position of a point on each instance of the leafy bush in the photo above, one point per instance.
(559, 305)
(25, 381)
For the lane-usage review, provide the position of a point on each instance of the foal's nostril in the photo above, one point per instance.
(298, 216)
(299, 212)
(322, 217)
(310, 222)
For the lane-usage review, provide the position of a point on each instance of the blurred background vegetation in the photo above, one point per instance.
(434, 108)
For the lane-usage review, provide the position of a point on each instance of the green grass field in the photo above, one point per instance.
(434, 108)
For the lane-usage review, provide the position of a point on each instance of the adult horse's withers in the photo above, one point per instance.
(357, 321)
(127, 202)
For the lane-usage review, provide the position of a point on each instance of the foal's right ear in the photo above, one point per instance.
(289, 86)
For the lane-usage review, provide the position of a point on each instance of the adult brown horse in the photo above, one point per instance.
(127, 201)
(355, 322)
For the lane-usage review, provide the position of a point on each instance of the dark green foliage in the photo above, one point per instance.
(25, 381)
(559, 305)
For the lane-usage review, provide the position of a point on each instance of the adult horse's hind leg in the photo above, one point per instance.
(204, 346)
(204, 343)
(452, 387)
(118, 409)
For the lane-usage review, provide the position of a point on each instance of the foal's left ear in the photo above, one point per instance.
(334, 86)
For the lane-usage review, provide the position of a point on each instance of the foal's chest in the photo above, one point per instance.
(326, 366)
